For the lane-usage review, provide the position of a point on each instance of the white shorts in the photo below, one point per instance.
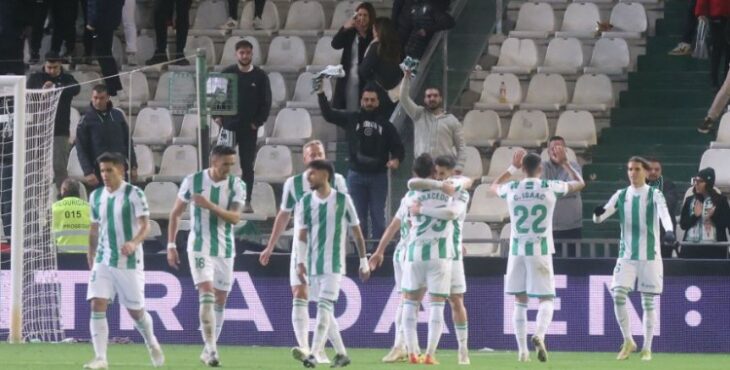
(531, 275)
(434, 275)
(458, 278)
(205, 268)
(649, 273)
(107, 282)
(398, 268)
(325, 286)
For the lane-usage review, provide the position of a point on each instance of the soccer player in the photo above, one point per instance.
(119, 224)
(295, 188)
(215, 198)
(531, 203)
(640, 207)
(323, 217)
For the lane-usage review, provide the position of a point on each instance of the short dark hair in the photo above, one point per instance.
(433, 87)
(423, 165)
(653, 160)
(447, 161)
(100, 88)
(531, 162)
(370, 87)
(53, 57)
(220, 150)
(72, 188)
(556, 138)
(114, 158)
(244, 44)
(323, 165)
(638, 159)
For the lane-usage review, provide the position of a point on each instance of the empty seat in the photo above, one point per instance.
(491, 97)
(563, 56)
(529, 128)
(478, 230)
(500, 161)
(718, 159)
(145, 48)
(487, 206)
(135, 85)
(578, 128)
(73, 168)
(546, 92)
(505, 235)
(517, 56)
(194, 43)
(629, 21)
(83, 99)
(270, 19)
(74, 118)
(263, 200)
(286, 54)
(593, 93)
(534, 20)
(273, 164)
(153, 126)
(580, 20)
(183, 84)
(211, 14)
(189, 130)
(293, 126)
(343, 11)
(473, 165)
(610, 56)
(482, 128)
(305, 18)
(155, 231)
(178, 161)
(723, 134)
(161, 198)
(303, 96)
(569, 153)
(145, 162)
(278, 88)
(228, 57)
(324, 55)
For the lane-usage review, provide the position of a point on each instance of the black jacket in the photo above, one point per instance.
(72, 88)
(14, 16)
(104, 15)
(672, 198)
(372, 140)
(100, 132)
(387, 74)
(721, 217)
(254, 101)
(343, 41)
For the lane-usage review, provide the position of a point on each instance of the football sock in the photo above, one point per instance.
(435, 326)
(333, 333)
(519, 320)
(219, 319)
(300, 321)
(649, 317)
(622, 315)
(462, 334)
(146, 329)
(399, 342)
(324, 308)
(99, 329)
(544, 317)
(207, 321)
(410, 322)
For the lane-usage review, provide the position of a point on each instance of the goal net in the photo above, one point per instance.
(29, 291)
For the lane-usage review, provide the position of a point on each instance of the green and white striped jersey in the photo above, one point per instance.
(462, 197)
(402, 215)
(639, 210)
(116, 214)
(326, 221)
(429, 238)
(210, 234)
(531, 203)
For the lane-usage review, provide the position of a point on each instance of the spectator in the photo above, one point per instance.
(232, 21)
(684, 47)
(254, 105)
(38, 24)
(53, 76)
(425, 18)
(104, 16)
(374, 147)
(435, 131)
(71, 219)
(129, 23)
(14, 19)
(6, 166)
(705, 217)
(717, 13)
(103, 129)
(88, 39)
(568, 214)
(656, 179)
(353, 39)
(64, 13)
(163, 12)
(381, 64)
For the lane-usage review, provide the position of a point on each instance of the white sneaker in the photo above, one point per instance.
(96, 364)
(230, 24)
(523, 357)
(396, 354)
(258, 23)
(464, 356)
(322, 358)
(681, 49)
(156, 355)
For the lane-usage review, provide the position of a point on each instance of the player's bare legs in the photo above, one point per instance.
(620, 295)
(544, 318)
(519, 321)
(461, 324)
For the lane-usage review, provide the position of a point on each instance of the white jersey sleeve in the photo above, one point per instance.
(503, 190)
(185, 192)
(351, 212)
(139, 203)
(341, 184)
(95, 212)
(239, 191)
(299, 218)
(288, 203)
(402, 212)
(610, 208)
(663, 211)
(559, 188)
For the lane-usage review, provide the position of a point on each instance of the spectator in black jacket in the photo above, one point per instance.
(656, 179)
(424, 19)
(103, 129)
(374, 147)
(163, 13)
(104, 17)
(53, 76)
(254, 105)
(705, 217)
(381, 64)
(14, 26)
(353, 39)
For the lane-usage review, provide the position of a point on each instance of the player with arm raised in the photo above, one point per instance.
(119, 224)
(215, 198)
(323, 218)
(295, 188)
(531, 203)
(640, 208)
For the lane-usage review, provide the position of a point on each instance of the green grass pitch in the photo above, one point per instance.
(134, 356)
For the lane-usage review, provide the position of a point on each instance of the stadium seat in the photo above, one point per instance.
(487, 206)
(145, 47)
(629, 21)
(228, 56)
(270, 19)
(305, 18)
(188, 131)
(162, 93)
(592, 93)
(563, 56)
(490, 98)
(570, 153)
(723, 134)
(529, 128)
(74, 118)
(478, 230)
(578, 128)
(279, 94)
(500, 161)
(546, 92)
(303, 96)
(145, 162)
(134, 84)
(273, 164)
(534, 20)
(580, 20)
(324, 55)
(161, 198)
(343, 11)
(718, 159)
(153, 127)
(155, 231)
(194, 43)
(286, 54)
(473, 165)
(518, 56)
(73, 168)
(178, 161)
(505, 235)
(482, 128)
(293, 126)
(83, 99)
(211, 14)
(610, 56)
(263, 200)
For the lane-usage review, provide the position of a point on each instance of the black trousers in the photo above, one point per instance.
(88, 35)
(64, 13)
(103, 49)
(247, 156)
(719, 57)
(11, 54)
(38, 20)
(570, 248)
(258, 8)
(163, 13)
(690, 26)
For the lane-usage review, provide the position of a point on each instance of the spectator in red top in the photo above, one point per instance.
(716, 12)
